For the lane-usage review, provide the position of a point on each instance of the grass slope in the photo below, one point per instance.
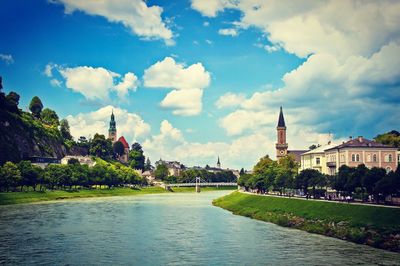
(7, 198)
(376, 226)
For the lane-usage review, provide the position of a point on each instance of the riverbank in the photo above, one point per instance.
(375, 226)
(7, 198)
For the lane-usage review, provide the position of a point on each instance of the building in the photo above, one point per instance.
(175, 168)
(82, 160)
(124, 157)
(281, 145)
(316, 159)
(112, 135)
(361, 151)
(112, 131)
(218, 163)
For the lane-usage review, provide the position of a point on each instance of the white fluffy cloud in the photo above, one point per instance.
(93, 83)
(7, 58)
(144, 21)
(230, 99)
(184, 102)
(350, 79)
(228, 32)
(187, 84)
(129, 125)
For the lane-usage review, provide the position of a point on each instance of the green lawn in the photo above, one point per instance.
(31, 196)
(355, 215)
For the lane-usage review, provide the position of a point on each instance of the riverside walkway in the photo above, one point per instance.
(332, 201)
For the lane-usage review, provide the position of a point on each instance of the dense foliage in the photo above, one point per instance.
(391, 138)
(136, 157)
(57, 176)
(269, 175)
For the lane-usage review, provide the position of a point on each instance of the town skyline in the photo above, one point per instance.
(207, 80)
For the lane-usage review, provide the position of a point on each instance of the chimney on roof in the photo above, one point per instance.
(360, 138)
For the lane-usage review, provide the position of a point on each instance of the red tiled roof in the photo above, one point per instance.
(124, 142)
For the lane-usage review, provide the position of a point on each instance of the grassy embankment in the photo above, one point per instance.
(374, 226)
(31, 196)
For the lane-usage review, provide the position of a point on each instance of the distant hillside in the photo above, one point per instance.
(22, 136)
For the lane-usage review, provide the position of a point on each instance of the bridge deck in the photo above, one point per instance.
(205, 184)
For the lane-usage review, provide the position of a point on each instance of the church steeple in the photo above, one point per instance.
(281, 120)
(112, 131)
(218, 163)
(281, 145)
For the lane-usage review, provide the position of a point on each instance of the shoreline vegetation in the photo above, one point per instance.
(10, 198)
(378, 227)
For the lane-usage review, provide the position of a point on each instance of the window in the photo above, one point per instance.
(318, 160)
(374, 158)
(388, 158)
(353, 157)
(357, 157)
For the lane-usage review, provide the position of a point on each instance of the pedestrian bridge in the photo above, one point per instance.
(203, 184)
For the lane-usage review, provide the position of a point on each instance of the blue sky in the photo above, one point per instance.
(206, 78)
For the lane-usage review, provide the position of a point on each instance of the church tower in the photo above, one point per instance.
(281, 145)
(218, 163)
(112, 131)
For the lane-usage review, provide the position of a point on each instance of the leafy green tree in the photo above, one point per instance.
(29, 173)
(243, 181)
(36, 106)
(313, 147)
(98, 174)
(65, 130)
(371, 178)
(308, 178)
(10, 176)
(147, 166)
(242, 172)
(50, 117)
(136, 156)
(118, 148)
(161, 171)
(391, 138)
(100, 146)
(12, 102)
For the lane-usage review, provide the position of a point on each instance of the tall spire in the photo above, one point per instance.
(218, 163)
(281, 121)
(112, 131)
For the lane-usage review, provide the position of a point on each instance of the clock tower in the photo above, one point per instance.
(281, 145)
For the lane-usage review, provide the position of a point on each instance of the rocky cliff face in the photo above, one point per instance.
(22, 136)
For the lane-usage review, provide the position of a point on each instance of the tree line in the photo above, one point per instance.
(189, 175)
(25, 175)
(269, 175)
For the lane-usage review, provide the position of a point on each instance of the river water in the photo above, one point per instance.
(165, 229)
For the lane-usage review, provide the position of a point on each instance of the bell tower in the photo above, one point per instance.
(281, 145)
(112, 131)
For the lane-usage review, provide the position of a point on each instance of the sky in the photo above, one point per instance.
(197, 79)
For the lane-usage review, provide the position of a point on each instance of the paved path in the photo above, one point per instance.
(331, 201)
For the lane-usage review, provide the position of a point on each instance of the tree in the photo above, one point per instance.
(371, 178)
(50, 117)
(242, 172)
(36, 106)
(136, 156)
(161, 171)
(391, 138)
(308, 178)
(100, 146)
(64, 130)
(147, 166)
(243, 181)
(29, 173)
(12, 102)
(73, 161)
(10, 176)
(118, 148)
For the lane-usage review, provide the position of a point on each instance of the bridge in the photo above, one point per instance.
(199, 183)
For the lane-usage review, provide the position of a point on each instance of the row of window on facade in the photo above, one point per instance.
(355, 157)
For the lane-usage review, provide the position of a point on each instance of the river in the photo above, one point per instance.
(165, 229)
